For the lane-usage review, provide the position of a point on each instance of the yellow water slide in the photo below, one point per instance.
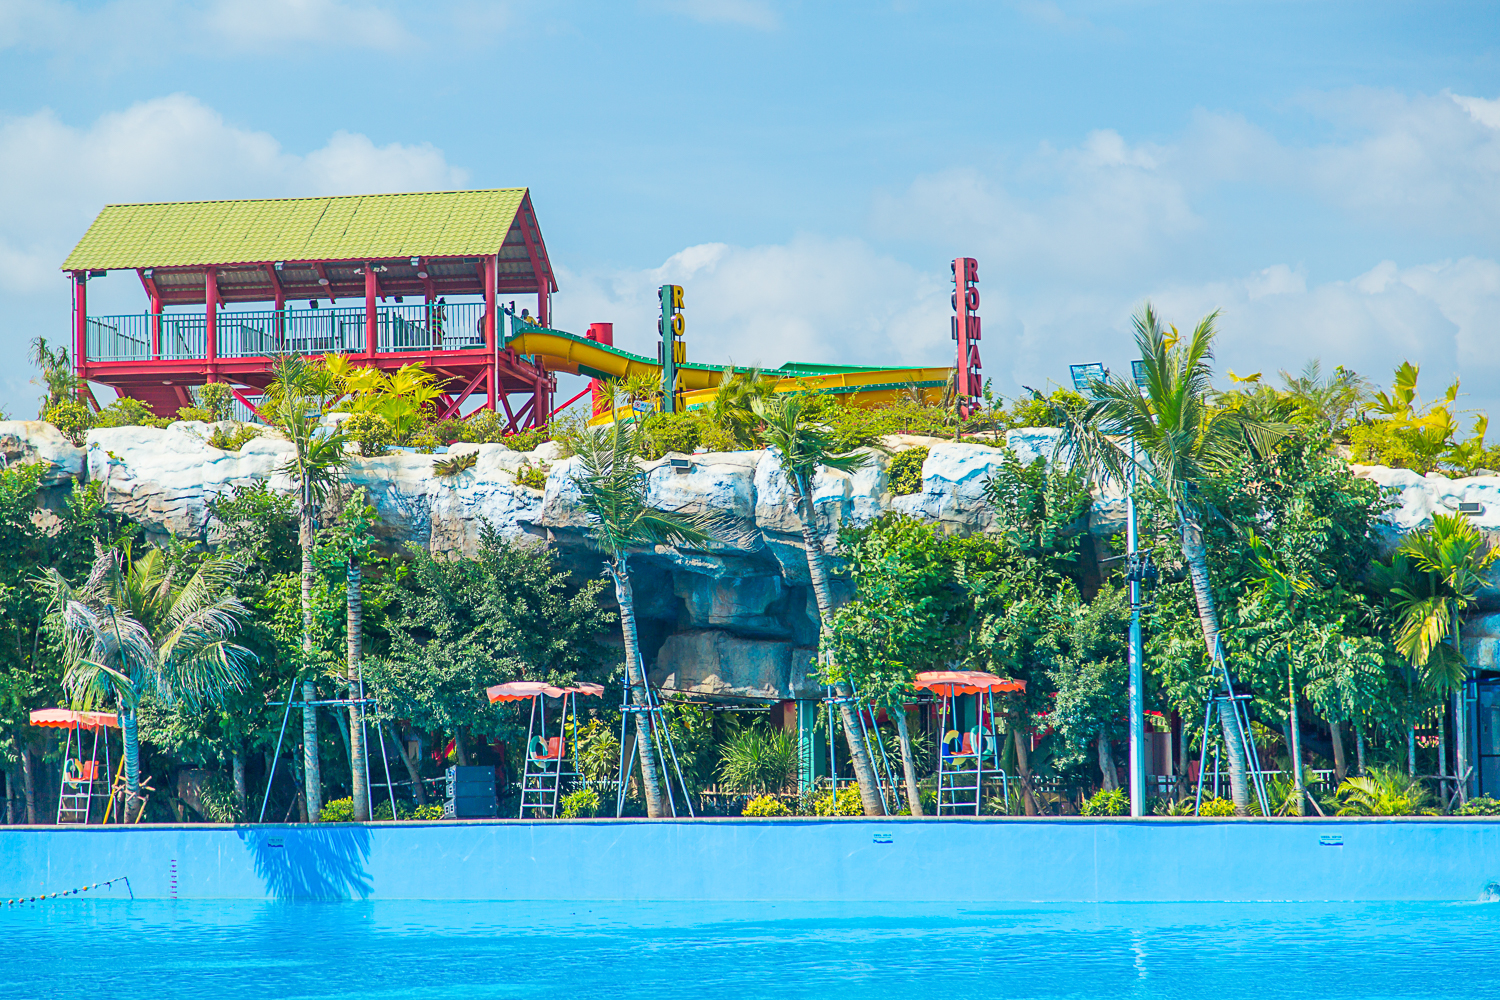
(865, 387)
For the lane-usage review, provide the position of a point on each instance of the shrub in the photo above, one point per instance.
(128, 412)
(526, 440)
(372, 432)
(337, 811)
(905, 471)
(1482, 806)
(195, 413)
(233, 440)
(847, 803)
(1106, 803)
(455, 464)
(759, 760)
(217, 398)
(424, 440)
(580, 804)
(427, 812)
(383, 811)
(532, 476)
(766, 805)
(71, 416)
(1216, 807)
(664, 432)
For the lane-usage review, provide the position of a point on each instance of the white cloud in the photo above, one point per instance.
(812, 299)
(54, 178)
(262, 23)
(1104, 209)
(57, 176)
(745, 13)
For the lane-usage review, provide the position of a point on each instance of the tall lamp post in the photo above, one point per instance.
(1137, 569)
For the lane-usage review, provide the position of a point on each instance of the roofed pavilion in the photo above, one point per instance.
(387, 279)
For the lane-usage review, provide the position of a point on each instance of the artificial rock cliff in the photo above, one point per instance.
(733, 618)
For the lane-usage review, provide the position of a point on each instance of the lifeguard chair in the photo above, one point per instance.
(82, 779)
(550, 761)
(970, 746)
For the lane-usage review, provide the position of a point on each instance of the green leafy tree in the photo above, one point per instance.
(1090, 675)
(458, 626)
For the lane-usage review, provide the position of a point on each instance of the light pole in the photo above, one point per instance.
(1085, 377)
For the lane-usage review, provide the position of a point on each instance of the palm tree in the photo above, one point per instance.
(296, 399)
(135, 627)
(613, 492)
(1169, 436)
(804, 446)
(352, 543)
(1453, 554)
(732, 406)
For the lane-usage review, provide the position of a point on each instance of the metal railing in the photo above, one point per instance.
(338, 330)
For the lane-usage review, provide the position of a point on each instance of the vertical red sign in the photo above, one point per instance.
(970, 385)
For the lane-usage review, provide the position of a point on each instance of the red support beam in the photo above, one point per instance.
(372, 327)
(458, 401)
(81, 323)
(149, 284)
(245, 399)
(211, 315)
(583, 392)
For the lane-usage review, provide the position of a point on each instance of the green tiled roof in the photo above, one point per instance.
(352, 227)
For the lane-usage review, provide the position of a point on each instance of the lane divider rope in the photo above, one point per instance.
(71, 892)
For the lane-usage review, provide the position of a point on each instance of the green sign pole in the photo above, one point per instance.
(670, 326)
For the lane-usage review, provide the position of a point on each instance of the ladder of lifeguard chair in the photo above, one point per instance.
(539, 785)
(958, 792)
(73, 802)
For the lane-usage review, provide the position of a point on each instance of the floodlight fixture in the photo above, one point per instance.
(1086, 377)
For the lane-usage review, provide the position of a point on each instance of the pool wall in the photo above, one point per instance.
(845, 860)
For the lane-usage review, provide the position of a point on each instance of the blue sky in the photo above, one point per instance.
(1326, 174)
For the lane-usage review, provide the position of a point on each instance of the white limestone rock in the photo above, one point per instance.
(23, 442)
(165, 477)
(711, 662)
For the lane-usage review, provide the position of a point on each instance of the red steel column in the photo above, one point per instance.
(156, 310)
(600, 333)
(81, 323)
(211, 332)
(372, 328)
(491, 339)
(543, 302)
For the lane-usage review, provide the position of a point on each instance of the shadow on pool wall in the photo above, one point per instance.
(318, 862)
(845, 860)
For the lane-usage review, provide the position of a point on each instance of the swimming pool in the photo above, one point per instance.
(83, 947)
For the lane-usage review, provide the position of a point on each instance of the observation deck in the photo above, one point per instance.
(308, 258)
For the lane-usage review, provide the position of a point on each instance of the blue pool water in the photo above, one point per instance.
(178, 950)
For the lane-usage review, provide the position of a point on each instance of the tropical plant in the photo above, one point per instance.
(1107, 802)
(1454, 556)
(597, 750)
(337, 811)
(1385, 791)
(533, 477)
(580, 804)
(352, 542)
(613, 492)
(403, 397)
(730, 410)
(455, 465)
(1167, 435)
(1216, 807)
(804, 446)
(759, 760)
(298, 396)
(141, 626)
